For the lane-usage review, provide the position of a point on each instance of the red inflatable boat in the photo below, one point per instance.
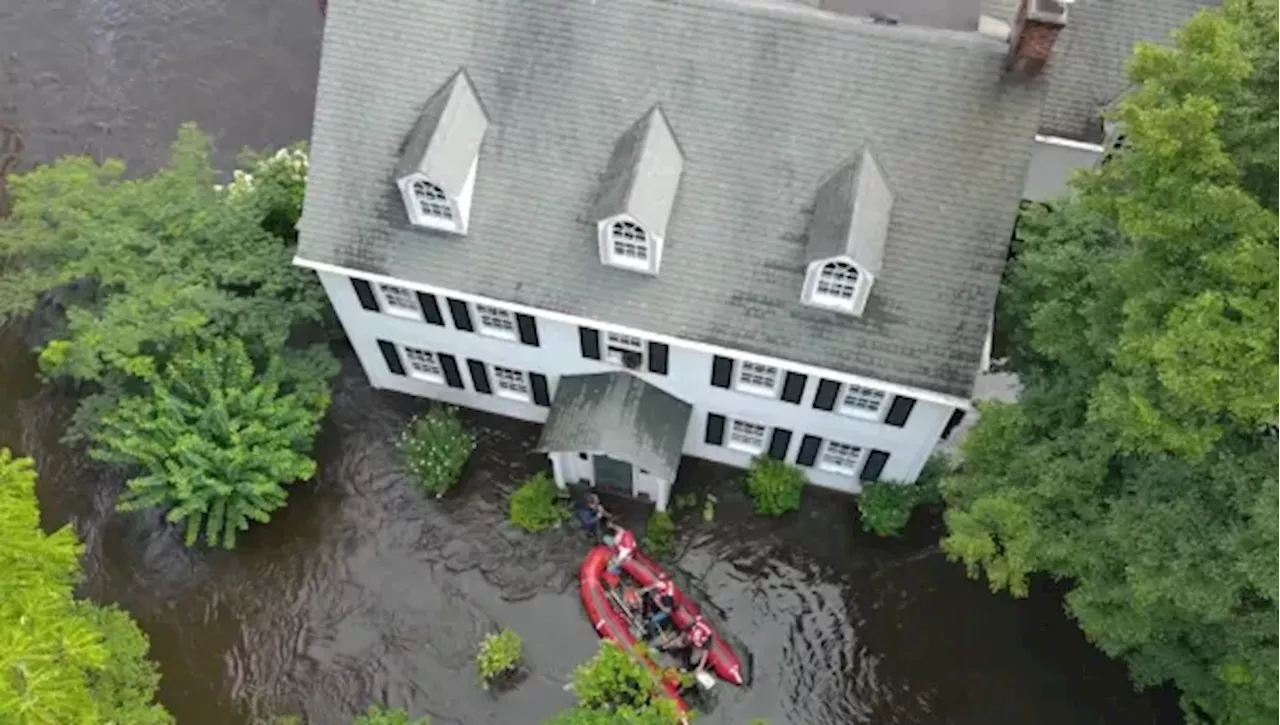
(721, 658)
(610, 623)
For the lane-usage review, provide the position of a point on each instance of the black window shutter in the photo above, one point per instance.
(449, 364)
(899, 411)
(825, 398)
(658, 358)
(957, 415)
(538, 382)
(793, 387)
(715, 429)
(721, 371)
(392, 356)
(809, 446)
(364, 292)
(779, 443)
(528, 329)
(590, 341)
(479, 377)
(874, 465)
(460, 314)
(430, 308)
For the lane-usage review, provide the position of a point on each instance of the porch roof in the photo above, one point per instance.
(621, 416)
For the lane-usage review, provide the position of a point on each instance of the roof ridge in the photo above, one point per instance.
(799, 12)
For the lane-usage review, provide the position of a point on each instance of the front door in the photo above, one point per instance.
(612, 474)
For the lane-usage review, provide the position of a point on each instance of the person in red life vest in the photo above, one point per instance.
(623, 543)
(696, 639)
(661, 600)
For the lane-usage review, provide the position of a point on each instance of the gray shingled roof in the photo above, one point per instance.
(766, 100)
(643, 175)
(446, 136)
(620, 415)
(1087, 69)
(851, 214)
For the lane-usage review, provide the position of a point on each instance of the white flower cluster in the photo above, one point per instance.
(292, 161)
(435, 448)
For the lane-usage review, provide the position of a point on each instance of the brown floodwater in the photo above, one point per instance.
(362, 590)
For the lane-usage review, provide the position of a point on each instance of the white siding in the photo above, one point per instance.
(689, 378)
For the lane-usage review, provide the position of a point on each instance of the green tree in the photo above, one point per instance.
(1140, 460)
(217, 440)
(617, 688)
(144, 267)
(62, 660)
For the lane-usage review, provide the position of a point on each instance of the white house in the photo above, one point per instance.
(713, 228)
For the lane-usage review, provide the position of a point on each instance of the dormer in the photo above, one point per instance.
(436, 173)
(847, 236)
(637, 193)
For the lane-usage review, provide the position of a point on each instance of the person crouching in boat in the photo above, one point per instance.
(660, 598)
(696, 640)
(623, 544)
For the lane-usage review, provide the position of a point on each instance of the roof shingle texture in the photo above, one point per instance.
(620, 415)
(1087, 69)
(765, 100)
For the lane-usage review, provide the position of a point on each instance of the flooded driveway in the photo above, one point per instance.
(361, 590)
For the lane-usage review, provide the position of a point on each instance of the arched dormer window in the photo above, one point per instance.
(837, 283)
(431, 201)
(629, 242)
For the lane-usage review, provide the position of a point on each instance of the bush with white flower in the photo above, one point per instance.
(275, 183)
(436, 446)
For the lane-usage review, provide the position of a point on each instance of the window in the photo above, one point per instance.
(840, 457)
(432, 203)
(496, 321)
(746, 436)
(423, 364)
(400, 301)
(629, 242)
(757, 378)
(860, 401)
(624, 350)
(837, 282)
(511, 383)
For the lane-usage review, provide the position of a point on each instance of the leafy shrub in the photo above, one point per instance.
(885, 506)
(660, 534)
(499, 654)
(216, 440)
(436, 447)
(537, 504)
(618, 683)
(63, 660)
(776, 486)
(398, 716)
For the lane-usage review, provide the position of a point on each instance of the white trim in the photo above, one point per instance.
(852, 470)
(794, 365)
(409, 313)
(753, 389)
(498, 333)
(876, 416)
(729, 442)
(1069, 143)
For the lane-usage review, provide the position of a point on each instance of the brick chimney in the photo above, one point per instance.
(1035, 28)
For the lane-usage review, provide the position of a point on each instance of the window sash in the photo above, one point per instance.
(840, 457)
(747, 436)
(496, 321)
(423, 364)
(758, 378)
(617, 344)
(400, 301)
(511, 383)
(837, 282)
(864, 402)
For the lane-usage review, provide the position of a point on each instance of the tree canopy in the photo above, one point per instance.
(179, 305)
(62, 660)
(1139, 462)
(615, 687)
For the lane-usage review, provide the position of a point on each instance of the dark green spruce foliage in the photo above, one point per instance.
(1140, 462)
(217, 440)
